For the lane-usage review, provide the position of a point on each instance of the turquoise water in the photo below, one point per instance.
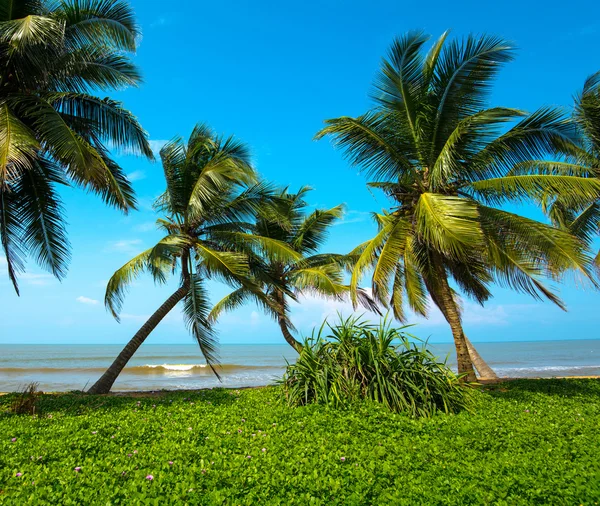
(73, 367)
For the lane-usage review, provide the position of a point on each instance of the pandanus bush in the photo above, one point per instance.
(354, 360)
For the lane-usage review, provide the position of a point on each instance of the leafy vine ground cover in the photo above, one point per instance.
(527, 442)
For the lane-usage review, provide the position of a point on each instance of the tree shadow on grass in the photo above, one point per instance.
(557, 387)
(80, 403)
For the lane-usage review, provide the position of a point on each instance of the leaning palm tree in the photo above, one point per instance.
(285, 220)
(53, 129)
(444, 160)
(211, 189)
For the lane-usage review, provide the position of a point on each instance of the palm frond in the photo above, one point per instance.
(312, 232)
(24, 34)
(230, 302)
(88, 22)
(462, 82)
(11, 231)
(41, 214)
(367, 144)
(367, 256)
(196, 309)
(158, 260)
(449, 224)
(389, 258)
(574, 191)
(546, 131)
(18, 146)
(108, 119)
(413, 267)
(587, 224)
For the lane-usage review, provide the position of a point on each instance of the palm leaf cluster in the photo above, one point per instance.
(54, 130)
(447, 164)
(353, 360)
(582, 219)
(303, 270)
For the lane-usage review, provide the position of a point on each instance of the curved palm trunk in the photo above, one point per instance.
(288, 335)
(282, 321)
(106, 381)
(484, 370)
(441, 293)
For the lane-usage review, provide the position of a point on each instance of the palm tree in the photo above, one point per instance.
(444, 161)
(211, 188)
(582, 160)
(285, 220)
(53, 129)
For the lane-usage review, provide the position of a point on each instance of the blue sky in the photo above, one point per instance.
(270, 73)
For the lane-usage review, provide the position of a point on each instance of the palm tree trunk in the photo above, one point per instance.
(288, 335)
(484, 370)
(442, 295)
(106, 381)
(282, 321)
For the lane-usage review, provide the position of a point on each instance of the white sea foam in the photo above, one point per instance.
(175, 367)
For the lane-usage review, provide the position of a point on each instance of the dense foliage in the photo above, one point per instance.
(580, 219)
(528, 442)
(286, 219)
(55, 58)
(355, 360)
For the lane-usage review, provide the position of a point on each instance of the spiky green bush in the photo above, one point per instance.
(355, 360)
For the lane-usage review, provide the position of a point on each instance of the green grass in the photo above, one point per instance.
(528, 442)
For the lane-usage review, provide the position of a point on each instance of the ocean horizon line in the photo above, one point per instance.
(284, 343)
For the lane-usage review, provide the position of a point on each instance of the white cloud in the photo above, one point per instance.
(36, 279)
(129, 246)
(141, 318)
(87, 300)
(136, 175)
(145, 227)
(311, 311)
(146, 203)
(353, 217)
(254, 318)
(156, 145)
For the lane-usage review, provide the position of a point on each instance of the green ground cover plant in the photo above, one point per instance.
(526, 442)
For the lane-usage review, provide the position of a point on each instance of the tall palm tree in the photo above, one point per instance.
(53, 130)
(444, 160)
(211, 188)
(285, 219)
(582, 160)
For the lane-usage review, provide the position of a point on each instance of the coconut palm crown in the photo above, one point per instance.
(447, 162)
(54, 130)
(286, 220)
(583, 159)
(211, 189)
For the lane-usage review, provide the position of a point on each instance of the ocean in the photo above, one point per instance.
(180, 366)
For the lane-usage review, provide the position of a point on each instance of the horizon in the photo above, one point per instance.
(275, 97)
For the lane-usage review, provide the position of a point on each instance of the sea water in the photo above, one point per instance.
(180, 366)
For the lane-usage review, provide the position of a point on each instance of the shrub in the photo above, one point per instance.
(25, 401)
(358, 360)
